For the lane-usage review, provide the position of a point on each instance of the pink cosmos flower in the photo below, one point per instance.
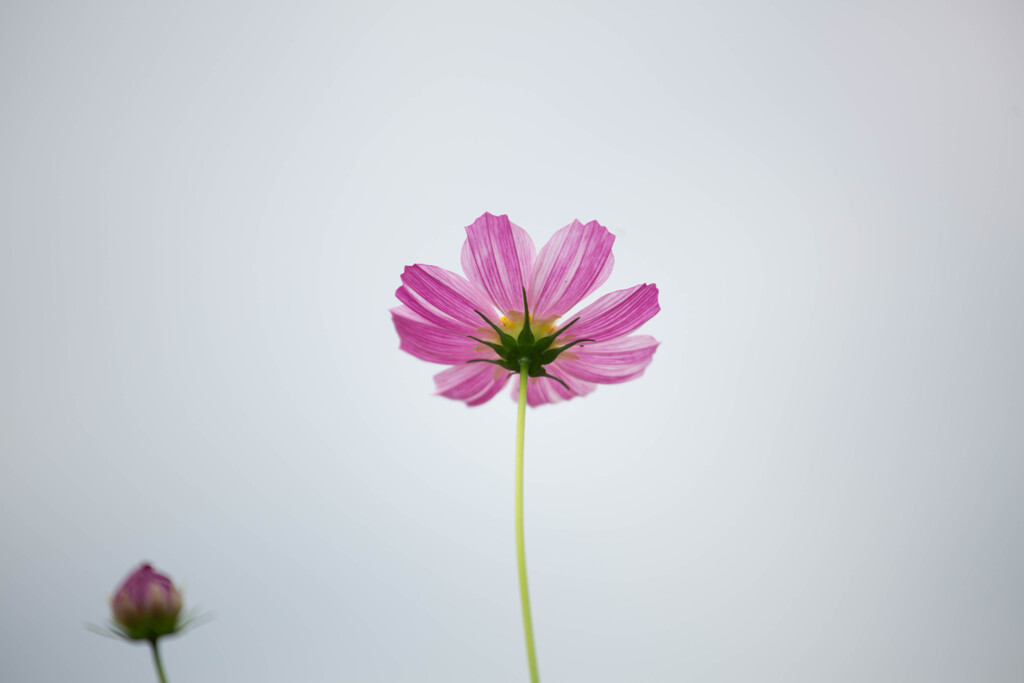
(505, 313)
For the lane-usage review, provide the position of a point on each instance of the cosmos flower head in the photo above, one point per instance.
(513, 309)
(146, 605)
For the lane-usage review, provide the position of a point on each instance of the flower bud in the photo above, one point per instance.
(146, 605)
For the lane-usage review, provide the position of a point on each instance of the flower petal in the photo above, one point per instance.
(431, 343)
(474, 383)
(443, 298)
(617, 314)
(575, 261)
(610, 362)
(498, 258)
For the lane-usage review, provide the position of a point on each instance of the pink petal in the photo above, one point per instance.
(610, 362)
(575, 261)
(431, 343)
(617, 314)
(498, 258)
(444, 298)
(474, 383)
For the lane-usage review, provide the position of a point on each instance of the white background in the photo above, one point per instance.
(204, 211)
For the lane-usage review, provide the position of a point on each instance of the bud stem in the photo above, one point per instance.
(524, 591)
(156, 660)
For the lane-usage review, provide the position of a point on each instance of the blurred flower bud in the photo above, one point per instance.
(146, 605)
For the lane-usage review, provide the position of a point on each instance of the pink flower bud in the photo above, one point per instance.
(146, 604)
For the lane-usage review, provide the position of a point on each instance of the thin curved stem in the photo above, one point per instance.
(156, 661)
(524, 590)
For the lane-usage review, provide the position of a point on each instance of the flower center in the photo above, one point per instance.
(518, 348)
(512, 324)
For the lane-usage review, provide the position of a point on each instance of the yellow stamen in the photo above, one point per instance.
(513, 322)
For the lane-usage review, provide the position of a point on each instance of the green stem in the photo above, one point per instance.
(157, 662)
(524, 591)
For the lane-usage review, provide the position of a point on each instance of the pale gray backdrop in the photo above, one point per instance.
(204, 211)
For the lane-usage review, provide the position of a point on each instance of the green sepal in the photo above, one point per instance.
(507, 340)
(544, 342)
(526, 338)
(552, 354)
(498, 348)
(500, 363)
(541, 372)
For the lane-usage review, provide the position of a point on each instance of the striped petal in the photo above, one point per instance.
(497, 257)
(610, 362)
(431, 343)
(575, 261)
(442, 297)
(474, 383)
(617, 314)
